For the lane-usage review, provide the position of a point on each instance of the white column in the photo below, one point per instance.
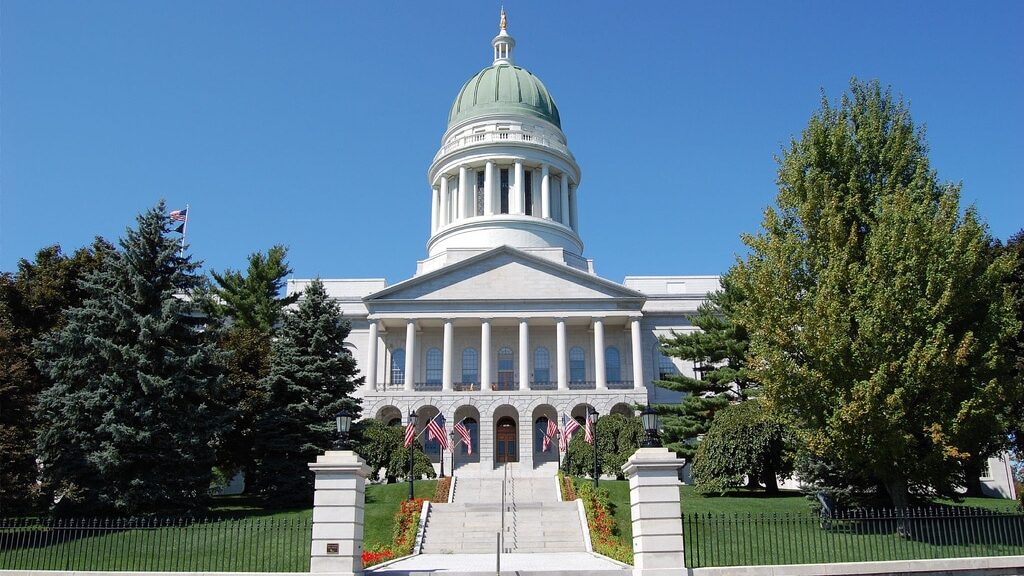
(524, 354)
(545, 192)
(371, 358)
(561, 355)
(638, 363)
(489, 188)
(600, 374)
(520, 189)
(446, 355)
(565, 198)
(339, 498)
(573, 215)
(433, 209)
(463, 192)
(485, 354)
(534, 177)
(410, 353)
(653, 475)
(445, 209)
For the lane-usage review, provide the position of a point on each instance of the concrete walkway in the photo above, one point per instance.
(548, 564)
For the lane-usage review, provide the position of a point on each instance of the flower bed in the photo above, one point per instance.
(568, 489)
(407, 522)
(603, 534)
(441, 494)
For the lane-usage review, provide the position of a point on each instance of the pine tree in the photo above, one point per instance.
(312, 377)
(128, 424)
(718, 350)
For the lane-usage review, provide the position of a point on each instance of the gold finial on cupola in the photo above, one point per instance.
(504, 20)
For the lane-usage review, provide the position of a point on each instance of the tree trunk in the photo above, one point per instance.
(897, 489)
(972, 476)
(771, 482)
(752, 482)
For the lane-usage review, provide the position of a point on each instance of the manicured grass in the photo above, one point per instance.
(382, 501)
(745, 528)
(246, 537)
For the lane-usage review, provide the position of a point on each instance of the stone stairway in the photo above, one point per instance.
(535, 521)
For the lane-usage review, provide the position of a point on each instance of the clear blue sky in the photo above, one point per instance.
(312, 123)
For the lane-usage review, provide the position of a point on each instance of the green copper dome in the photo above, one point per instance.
(504, 89)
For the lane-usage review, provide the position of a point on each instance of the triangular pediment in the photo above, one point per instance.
(504, 274)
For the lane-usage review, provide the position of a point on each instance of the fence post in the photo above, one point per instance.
(338, 503)
(653, 475)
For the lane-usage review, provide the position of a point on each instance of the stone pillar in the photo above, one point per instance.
(561, 355)
(574, 221)
(463, 192)
(600, 373)
(638, 357)
(520, 189)
(338, 503)
(371, 358)
(545, 192)
(446, 355)
(489, 188)
(524, 354)
(565, 198)
(444, 211)
(653, 475)
(485, 354)
(433, 209)
(410, 353)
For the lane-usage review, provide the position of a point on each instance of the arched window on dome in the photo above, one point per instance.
(470, 366)
(433, 366)
(612, 364)
(398, 366)
(577, 365)
(541, 366)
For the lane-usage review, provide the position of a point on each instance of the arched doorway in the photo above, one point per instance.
(506, 440)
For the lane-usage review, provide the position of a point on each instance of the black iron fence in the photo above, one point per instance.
(850, 536)
(156, 544)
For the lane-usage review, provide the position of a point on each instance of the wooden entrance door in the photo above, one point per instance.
(506, 445)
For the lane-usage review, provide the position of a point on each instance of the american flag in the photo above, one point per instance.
(410, 434)
(179, 215)
(588, 431)
(466, 439)
(549, 434)
(436, 431)
(569, 427)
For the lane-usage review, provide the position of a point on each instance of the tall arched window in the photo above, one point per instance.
(398, 366)
(506, 369)
(612, 366)
(577, 364)
(541, 366)
(470, 366)
(433, 366)
(665, 367)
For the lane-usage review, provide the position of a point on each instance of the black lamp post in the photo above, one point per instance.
(592, 415)
(649, 418)
(412, 422)
(452, 447)
(343, 420)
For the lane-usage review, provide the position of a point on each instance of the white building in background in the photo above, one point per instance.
(505, 325)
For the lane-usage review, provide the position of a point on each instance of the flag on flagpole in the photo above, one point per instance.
(436, 431)
(467, 440)
(179, 215)
(548, 435)
(180, 228)
(588, 431)
(410, 434)
(569, 427)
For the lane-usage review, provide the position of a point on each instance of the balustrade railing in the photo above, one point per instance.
(582, 385)
(620, 384)
(427, 386)
(543, 385)
(502, 136)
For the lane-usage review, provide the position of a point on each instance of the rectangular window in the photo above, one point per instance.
(528, 196)
(479, 193)
(555, 193)
(504, 190)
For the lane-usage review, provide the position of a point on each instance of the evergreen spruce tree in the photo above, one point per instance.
(312, 377)
(719, 352)
(128, 423)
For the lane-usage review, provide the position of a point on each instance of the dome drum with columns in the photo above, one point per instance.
(504, 324)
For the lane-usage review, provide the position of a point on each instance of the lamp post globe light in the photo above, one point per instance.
(343, 422)
(412, 422)
(592, 416)
(649, 418)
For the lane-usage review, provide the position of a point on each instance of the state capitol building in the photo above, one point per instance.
(505, 325)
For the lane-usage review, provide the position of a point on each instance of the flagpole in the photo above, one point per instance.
(184, 230)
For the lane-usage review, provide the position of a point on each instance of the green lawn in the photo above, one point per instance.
(744, 528)
(245, 537)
